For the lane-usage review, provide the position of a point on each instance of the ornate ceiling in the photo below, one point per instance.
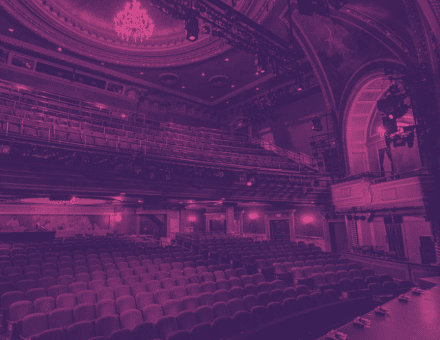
(86, 27)
(209, 71)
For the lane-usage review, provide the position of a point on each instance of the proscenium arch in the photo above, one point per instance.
(365, 88)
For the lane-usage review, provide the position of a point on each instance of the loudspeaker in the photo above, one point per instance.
(388, 219)
(398, 219)
(306, 7)
(426, 241)
(427, 254)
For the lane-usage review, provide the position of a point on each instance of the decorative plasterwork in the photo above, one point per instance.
(387, 35)
(50, 20)
(360, 108)
(313, 58)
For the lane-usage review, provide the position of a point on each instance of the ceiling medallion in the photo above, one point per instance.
(133, 22)
(169, 78)
(219, 80)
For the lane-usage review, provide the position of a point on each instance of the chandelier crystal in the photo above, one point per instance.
(133, 22)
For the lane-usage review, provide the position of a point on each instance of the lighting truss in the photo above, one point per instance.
(236, 30)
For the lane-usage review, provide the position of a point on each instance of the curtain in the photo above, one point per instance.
(395, 238)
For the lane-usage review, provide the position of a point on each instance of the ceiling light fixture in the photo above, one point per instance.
(192, 27)
(203, 74)
(11, 30)
(142, 73)
(183, 87)
(232, 85)
(134, 22)
(60, 49)
(227, 59)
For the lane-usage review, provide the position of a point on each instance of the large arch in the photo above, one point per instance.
(358, 104)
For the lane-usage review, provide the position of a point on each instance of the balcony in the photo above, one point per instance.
(406, 190)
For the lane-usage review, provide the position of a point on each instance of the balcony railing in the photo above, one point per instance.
(297, 157)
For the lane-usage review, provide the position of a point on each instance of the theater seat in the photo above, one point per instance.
(260, 314)
(122, 334)
(225, 327)
(51, 334)
(203, 331)
(244, 320)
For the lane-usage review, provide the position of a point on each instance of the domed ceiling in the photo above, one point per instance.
(87, 27)
(207, 71)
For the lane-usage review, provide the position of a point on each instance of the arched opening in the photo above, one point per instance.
(364, 142)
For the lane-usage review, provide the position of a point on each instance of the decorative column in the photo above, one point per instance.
(230, 224)
(292, 225)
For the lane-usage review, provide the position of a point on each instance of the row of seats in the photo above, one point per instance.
(126, 140)
(188, 311)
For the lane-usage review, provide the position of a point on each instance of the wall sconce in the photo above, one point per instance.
(307, 219)
(253, 216)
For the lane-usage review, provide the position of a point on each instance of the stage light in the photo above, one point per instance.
(370, 218)
(261, 62)
(253, 216)
(349, 217)
(192, 28)
(306, 7)
(356, 218)
(337, 4)
(316, 121)
(307, 219)
(394, 89)
(389, 124)
(363, 218)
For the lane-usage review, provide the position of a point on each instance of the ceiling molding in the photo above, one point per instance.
(310, 52)
(52, 21)
(380, 32)
(93, 67)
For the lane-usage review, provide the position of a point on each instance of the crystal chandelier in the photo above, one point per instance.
(133, 22)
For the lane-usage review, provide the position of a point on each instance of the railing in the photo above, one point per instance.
(377, 176)
(120, 140)
(297, 157)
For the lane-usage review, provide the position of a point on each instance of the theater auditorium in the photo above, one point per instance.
(219, 169)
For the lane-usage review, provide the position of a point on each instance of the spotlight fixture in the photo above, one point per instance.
(261, 62)
(337, 4)
(363, 218)
(349, 217)
(316, 121)
(356, 218)
(370, 218)
(192, 28)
